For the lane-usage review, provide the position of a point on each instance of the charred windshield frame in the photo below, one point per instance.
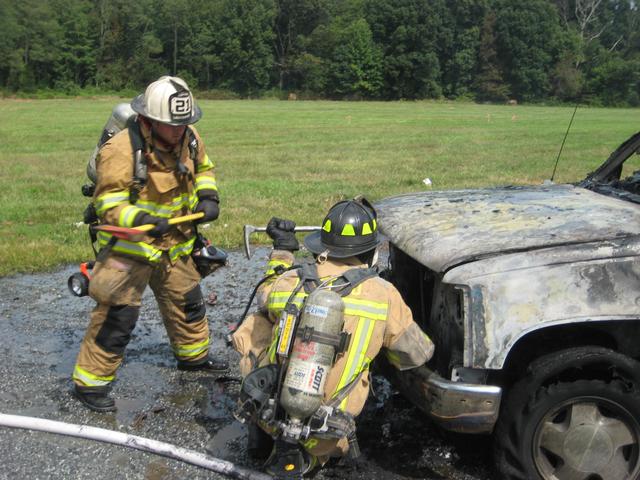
(606, 179)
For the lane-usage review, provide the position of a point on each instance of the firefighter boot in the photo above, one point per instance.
(207, 364)
(95, 398)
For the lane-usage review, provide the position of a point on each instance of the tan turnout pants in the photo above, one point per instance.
(117, 285)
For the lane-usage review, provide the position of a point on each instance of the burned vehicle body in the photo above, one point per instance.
(532, 298)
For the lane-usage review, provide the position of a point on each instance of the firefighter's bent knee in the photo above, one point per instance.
(194, 307)
(115, 333)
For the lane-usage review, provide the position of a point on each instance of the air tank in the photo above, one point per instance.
(117, 121)
(310, 362)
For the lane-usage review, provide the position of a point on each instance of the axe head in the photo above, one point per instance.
(247, 230)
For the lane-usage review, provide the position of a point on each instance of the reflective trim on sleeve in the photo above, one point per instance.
(188, 200)
(128, 215)
(273, 264)
(192, 201)
(188, 351)
(365, 308)
(205, 164)
(206, 183)
(110, 200)
(278, 300)
(89, 379)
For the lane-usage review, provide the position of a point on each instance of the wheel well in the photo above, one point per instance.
(614, 335)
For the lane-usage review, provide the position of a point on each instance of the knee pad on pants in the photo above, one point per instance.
(115, 333)
(194, 307)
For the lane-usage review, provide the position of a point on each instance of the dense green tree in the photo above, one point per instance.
(243, 39)
(587, 50)
(77, 60)
(408, 32)
(459, 54)
(356, 69)
(489, 82)
(529, 39)
(295, 20)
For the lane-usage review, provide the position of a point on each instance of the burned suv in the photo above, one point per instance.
(532, 298)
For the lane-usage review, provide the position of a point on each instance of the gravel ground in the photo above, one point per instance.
(42, 329)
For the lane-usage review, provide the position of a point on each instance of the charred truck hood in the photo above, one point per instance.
(445, 229)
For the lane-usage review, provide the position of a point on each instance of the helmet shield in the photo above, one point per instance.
(168, 100)
(349, 229)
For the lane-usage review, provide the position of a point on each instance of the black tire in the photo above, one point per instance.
(536, 439)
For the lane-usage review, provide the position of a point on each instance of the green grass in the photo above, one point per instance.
(289, 159)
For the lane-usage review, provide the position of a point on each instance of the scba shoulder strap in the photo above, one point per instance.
(343, 286)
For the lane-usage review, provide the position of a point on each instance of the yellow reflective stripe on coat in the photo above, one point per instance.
(205, 164)
(181, 249)
(110, 200)
(128, 215)
(357, 360)
(91, 380)
(142, 249)
(188, 351)
(139, 249)
(206, 183)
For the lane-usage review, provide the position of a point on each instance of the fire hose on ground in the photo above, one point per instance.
(132, 441)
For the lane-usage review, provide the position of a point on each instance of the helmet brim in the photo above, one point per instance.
(313, 243)
(139, 106)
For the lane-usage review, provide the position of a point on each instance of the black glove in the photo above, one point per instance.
(161, 224)
(283, 235)
(210, 209)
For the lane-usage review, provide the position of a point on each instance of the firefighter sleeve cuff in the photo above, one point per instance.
(410, 349)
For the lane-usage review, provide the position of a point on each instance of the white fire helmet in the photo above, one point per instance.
(168, 100)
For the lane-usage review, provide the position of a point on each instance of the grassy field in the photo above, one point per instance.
(290, 159)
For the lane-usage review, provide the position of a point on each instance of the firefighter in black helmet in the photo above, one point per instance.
(349, 229)
(375, 317)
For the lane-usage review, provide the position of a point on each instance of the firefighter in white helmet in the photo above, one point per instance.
(177, 179)
(375, 318)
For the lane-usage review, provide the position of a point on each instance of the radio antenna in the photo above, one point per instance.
(563, 140)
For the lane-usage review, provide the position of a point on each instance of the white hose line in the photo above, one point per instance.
(145, 444)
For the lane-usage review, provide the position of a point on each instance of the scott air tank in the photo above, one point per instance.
(310, 361)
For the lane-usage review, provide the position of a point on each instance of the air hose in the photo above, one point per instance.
(140, 443)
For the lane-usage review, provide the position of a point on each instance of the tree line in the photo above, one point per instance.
(486, 50)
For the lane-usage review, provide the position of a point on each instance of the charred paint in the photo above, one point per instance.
(526, 291)
(465, 225)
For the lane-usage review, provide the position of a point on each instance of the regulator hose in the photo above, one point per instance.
(140, 443)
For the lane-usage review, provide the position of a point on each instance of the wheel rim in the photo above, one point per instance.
(587, 438)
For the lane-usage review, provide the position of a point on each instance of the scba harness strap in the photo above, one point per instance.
(343, 285)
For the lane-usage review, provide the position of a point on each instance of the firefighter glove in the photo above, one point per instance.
(282, 232)
(161, 224)
(210, 209)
